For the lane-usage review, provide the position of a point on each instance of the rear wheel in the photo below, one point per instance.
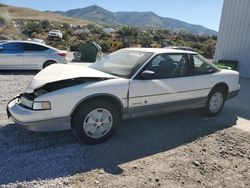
(48, 63)
(215, 102)
(94, 122)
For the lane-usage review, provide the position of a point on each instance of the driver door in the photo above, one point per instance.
(169, 88)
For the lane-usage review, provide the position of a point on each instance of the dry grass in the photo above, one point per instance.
(10, 31)
(16, 13)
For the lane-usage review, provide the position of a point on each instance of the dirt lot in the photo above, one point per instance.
(182, 149)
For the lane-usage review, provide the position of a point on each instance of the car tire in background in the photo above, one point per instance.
(215, 102)
(48, 63)
(95, 121)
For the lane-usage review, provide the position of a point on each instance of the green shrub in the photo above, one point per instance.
(105, 45)
(66, 36)
(66, 26)
(2, 21)
(45, 24)
(83, 36)
(32, 27)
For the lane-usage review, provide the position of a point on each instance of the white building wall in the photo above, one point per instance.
(234, 34)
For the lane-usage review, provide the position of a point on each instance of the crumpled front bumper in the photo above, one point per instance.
(36, 120)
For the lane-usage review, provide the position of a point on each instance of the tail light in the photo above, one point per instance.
(62, 54)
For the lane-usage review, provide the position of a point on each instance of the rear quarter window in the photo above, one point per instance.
(34, 47)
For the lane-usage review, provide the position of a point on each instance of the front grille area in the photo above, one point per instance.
(29, 96)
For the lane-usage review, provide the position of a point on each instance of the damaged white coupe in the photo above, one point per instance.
(133, 82)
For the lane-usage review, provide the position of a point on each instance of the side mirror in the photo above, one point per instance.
(147, 74)
(1, 48)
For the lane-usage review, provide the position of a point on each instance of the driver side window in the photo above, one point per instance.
(168, 66)
(12, 48)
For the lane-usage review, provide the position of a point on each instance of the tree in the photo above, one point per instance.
(91, 26)
(145, 41)
(208, 48)
(128, 31)
(33, 26)
(129, 36)
(45, 24)
(156, 38)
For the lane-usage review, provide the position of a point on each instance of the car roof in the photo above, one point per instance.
(30, 42)
(160, 50)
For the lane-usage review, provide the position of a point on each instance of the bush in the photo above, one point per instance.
(45, 24)
(33, 35)
(33, 27)
(145, 41)
(66, 36)
(83, 36)
(66, 26)
(2, 21)
(105, 45)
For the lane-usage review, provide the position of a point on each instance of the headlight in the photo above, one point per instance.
(43, 105)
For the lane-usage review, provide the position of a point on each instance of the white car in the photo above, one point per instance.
(128, 83)
(29, 55)
(55, 33)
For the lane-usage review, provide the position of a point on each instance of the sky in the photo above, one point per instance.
(202, 12)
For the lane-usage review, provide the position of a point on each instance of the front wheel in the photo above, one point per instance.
(215, 102)
(95, 122)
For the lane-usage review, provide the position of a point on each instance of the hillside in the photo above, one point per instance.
(141, 19)
(19, 13)
(22, 24)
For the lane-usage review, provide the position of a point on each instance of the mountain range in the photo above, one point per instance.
(140, 19)
(21, 13)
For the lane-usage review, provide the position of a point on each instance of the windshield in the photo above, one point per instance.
(122, 63)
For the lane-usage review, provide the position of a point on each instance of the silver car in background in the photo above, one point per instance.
(55, 33)
(29, 55)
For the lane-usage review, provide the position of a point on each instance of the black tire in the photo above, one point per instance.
(81, 114)
(48, 63)
(215, 91)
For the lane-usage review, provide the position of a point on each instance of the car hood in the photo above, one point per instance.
(63, 72)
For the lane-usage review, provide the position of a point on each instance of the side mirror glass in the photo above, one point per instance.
(1, 48)
(147, 74)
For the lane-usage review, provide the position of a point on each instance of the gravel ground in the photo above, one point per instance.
(182, 149)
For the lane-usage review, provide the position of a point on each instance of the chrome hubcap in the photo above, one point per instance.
(216, 102)
(98, 123)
